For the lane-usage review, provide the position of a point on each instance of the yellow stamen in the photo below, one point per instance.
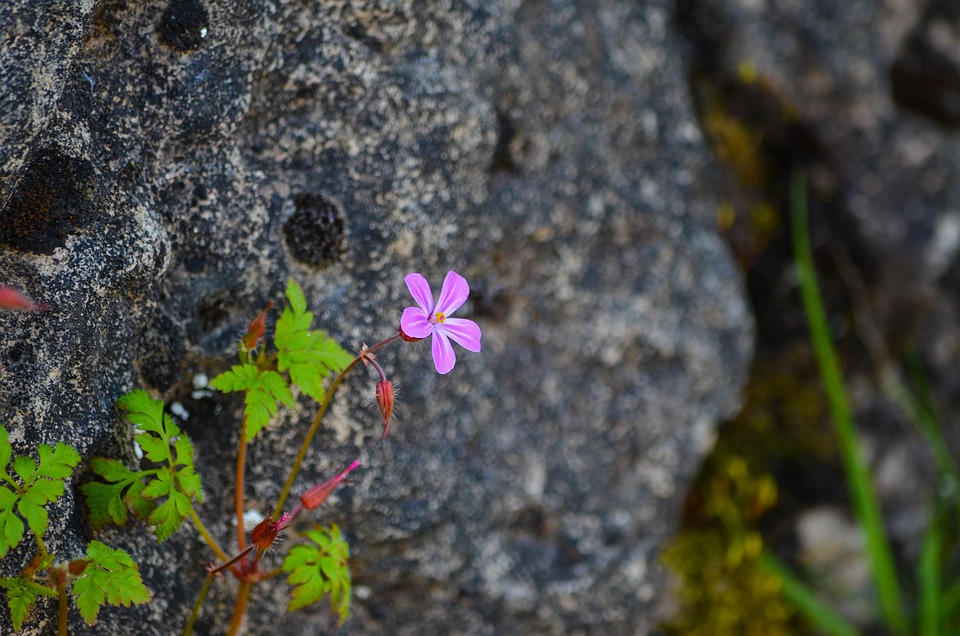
(441, 317)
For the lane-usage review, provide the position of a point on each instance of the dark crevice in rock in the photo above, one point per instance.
(315, 232)
(183, 25)
(53, 201)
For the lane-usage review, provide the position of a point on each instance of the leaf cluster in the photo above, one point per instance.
(104, 576)
(304, 355)
(34, 485)
(163, 495)
(319, 569)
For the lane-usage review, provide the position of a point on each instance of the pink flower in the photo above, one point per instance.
(428, 319)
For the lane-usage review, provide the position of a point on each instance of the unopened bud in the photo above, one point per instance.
(385, 402)
(255, 330)
(314, 497)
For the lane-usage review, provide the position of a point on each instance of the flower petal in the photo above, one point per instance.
(464, 332)
(420, 290)
(443, 355)
(453, 293)
(414, 323)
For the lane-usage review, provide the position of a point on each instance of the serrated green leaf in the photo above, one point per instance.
(160, 486)
(260, 402)
(143, 492)
(240, 378)
(111, 577)
(6, 451)
(35, 515)
(308, 356)
(155, 449)
(24, 467)
(43, 491)
(12, 531)
(168, 516)
(143, 411)
(57, 463)
(294, 294)
(108, 502)
(20, 597)
(315, 570)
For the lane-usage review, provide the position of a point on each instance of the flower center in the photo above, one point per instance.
(440, 316)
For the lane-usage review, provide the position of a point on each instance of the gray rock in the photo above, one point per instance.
(193, 155)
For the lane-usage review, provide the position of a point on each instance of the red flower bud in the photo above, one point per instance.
(255, 330)
(314, 497)
(385, 402)
(264, 533)
(13, 300)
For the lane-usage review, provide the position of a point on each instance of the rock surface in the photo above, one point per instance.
(165, 166)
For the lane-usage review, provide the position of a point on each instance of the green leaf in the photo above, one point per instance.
(24, 467)
(107, 502)
(315, 570)
(41, 484)
(308, 356)
(57, 463)
(264, 388)
(5, 452)
(161, 496)
(143, 411)
(11, 531)
(36, 516)
(21, 593)
(111, 577)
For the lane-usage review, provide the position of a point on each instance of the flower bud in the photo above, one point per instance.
(385, 402)
(255, 330)
(314, 497)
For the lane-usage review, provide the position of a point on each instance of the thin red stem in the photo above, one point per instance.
(63, 615)
(238, 487)
(239, 608)
(278, 509)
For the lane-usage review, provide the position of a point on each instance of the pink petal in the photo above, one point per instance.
(453, 293)
(464, 332)
(421, 292)
(443, 355)
(414, 323)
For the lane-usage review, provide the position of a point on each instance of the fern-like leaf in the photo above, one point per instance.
(35, 485)
(318, 569)
(21, 593)
(264, 390)
(308, 356)
(110, 576)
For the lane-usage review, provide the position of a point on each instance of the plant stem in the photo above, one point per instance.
(62, 618)
(239, 608)
(278, 509)
(202, 529)
(188, 629)
(238, 486)
(866, 506)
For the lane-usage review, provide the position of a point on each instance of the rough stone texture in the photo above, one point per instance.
(180, 159)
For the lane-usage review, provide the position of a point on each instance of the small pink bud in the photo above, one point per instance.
(314, 497)
(385, 401)
(13, 300)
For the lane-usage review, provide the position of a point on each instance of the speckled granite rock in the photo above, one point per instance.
(183, 158)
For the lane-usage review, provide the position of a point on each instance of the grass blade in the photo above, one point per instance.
(865, 501)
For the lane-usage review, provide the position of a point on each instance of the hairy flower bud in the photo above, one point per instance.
(314, 497)
(255, 330)
(385, 402)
